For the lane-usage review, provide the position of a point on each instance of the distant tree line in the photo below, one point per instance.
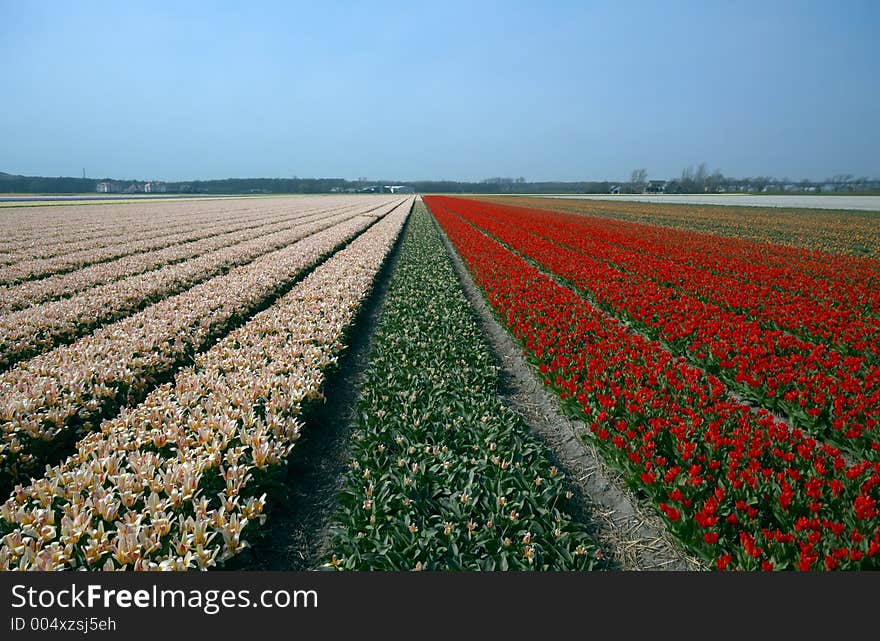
(29, 184)
(325, 185)
(39, 185)
(263, 185)
(691, 180)
(510, 186)
(701, 180)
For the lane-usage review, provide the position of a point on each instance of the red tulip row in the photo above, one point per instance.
(832, 395)
(849, 282)
(736, 486)
(684, 267)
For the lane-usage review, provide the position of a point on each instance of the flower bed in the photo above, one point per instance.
(50, 401)
(443, 475)
(736, 487)
(834, 396)
(177, 482)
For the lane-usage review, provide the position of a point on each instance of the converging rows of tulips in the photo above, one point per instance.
(30, 331)
(442, 475)
(50, 400)
(736, 485)
(51, 232)
(820, 388)
(742, 280)
(839, 282)
(180, 247)
(176, 482)
(848, 234)
(109, 231)
(194, 354)
(23, 270)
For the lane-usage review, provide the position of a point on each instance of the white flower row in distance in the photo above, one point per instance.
(28, 332)
(34, 292)
(39, 232)
(29, 269)
(61, 394)
(182, 222)
(75, 239)
(65, 253)
(109, 224)
(130, 221)
(132, 496)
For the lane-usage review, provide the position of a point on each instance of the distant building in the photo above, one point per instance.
(656, 187)
(108, 187)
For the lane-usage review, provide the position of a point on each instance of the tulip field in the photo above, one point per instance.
(853, 233)
(443, 475)
(734, 384)
(160, 363)
(172, 481)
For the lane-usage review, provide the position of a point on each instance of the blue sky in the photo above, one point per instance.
(440, 90)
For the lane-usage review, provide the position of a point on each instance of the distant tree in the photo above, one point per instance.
(715, 181)
(686, 183)
(760, 182)
(638, 180)
(701, 176)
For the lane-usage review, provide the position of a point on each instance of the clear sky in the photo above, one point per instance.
(439, 90)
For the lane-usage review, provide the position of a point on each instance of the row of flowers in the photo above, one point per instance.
(847, 281)
(178, 482)
(31, 331)
(215, 236)
(846, 233)
(46, 232)
(112, 224)
(834, 396)
(63, 258)
(443, 476)
(682, 263)
(736, 486)
(49, 401)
